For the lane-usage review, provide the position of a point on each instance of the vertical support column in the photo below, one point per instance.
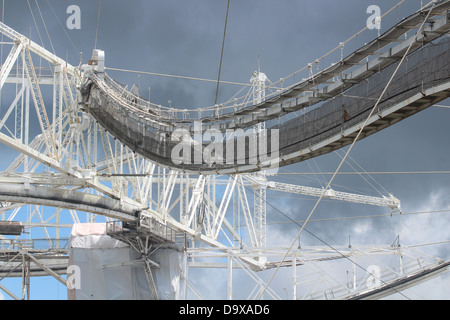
(183, 204)
(181, 188)
(150, 280)
(260, 214)
(158, 189)
(95, 146)
(57, 231)
(188, 195)
(19, 107)
(27, 127)
(25, 278)
(230, 274)
(28, 276)
(258, 81)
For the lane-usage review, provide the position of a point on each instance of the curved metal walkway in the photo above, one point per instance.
(332, 114)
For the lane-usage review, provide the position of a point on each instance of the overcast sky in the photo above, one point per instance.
(182, 37)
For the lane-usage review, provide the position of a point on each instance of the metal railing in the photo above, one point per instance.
(387, 278)
(156, 230)
(159, 230)
(35, 244)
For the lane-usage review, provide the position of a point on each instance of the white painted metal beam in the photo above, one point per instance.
(9, 62)
(390, 202)
(68, 199)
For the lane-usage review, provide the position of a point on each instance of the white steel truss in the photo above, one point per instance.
(74, 166)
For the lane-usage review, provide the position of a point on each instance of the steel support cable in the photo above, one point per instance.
(35, 23)
(361, 120)
(63, 28)
(221, 53)
(330, 52)
(363, 174)
(98, 23)
(346, 41)
(340, 45)
(45, 27)
(178, 76)
(349, 150)
(223, 106)
(272, 85)
(348, 163)
(39, 34)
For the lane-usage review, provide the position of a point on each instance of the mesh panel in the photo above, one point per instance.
(422, 69)
(135, 128)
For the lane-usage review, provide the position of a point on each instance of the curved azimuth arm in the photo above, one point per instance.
(169, 138)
